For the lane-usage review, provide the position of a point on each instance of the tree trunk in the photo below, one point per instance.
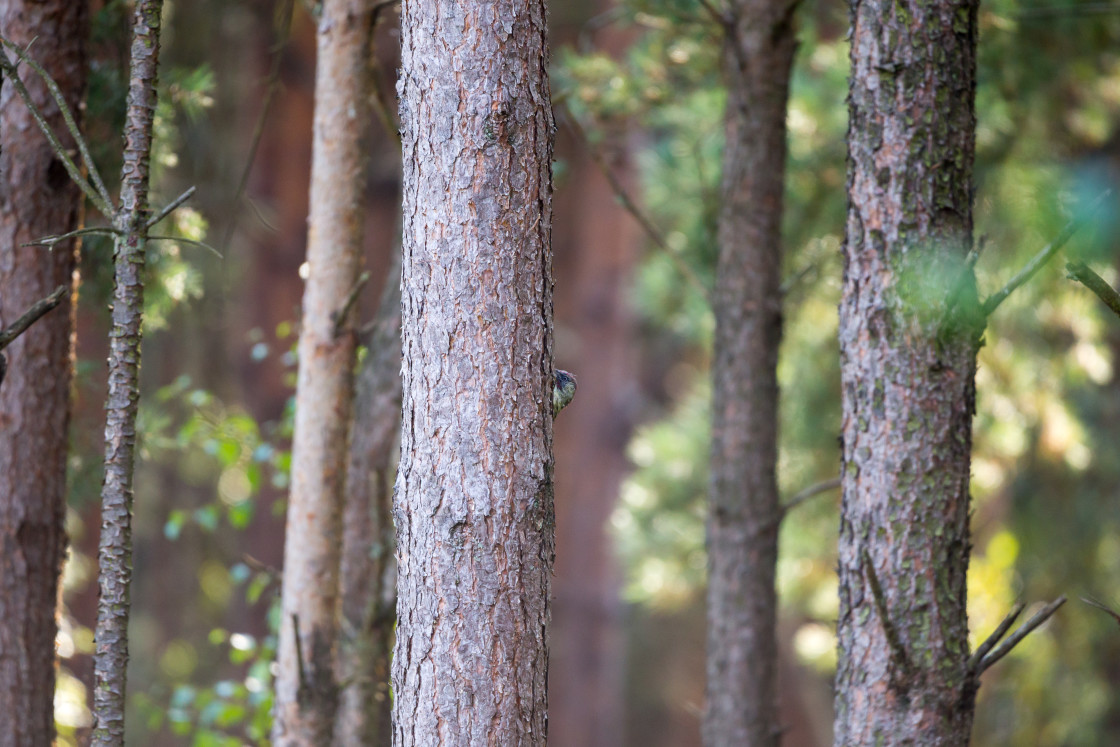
(130, 247)
(744, 510)
(908, 342)
(306, 691)
(368, 569)
(474, 503)
(37, 199)
(595, 259)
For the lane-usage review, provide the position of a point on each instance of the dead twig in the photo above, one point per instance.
(50, 242)
(170, 206)
(810, 492)
(351, 299)
(1102, 607)
(1024, 630)
(32, 315)
(99, 197)
(1000, 631)
(1044, 255)
(631, 207)
(1083, 274)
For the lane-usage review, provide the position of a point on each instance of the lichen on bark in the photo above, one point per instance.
(908, 337)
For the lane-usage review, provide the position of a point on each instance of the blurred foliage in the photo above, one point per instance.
(1047, 447)
(213, 449)
(1046, 461)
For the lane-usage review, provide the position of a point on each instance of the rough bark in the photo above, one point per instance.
(37, 199)
(368, 569)
(744, 512)
(306, 690)
(474, 503)
(908, 341)
(130, 246)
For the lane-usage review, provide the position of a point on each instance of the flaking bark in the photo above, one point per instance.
(907, 367)
(306, 690)
(115, 550)
(474, 500)
(744, 511)
(37, 199)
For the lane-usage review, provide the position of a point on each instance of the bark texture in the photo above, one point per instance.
(115, 548)
(744, 510)
(369, 571)
(908, 341)
(37, 199)
(306, 691)
(474, 503)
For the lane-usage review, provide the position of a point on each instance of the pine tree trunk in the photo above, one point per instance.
(369, 573)
(306, 691)
(37, 199)
(474, 503)
(129, 256)
(744, 511)
(907, 366)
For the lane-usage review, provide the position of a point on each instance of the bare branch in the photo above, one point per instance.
(283, 25)
(381, 5)
(631, 207)
(791, 282)
(1036, 263)
(809, 492)
(1024, 630)
(1000, 631)
(383, 102)
(1083, 274)
(32, 315)
(351, 299)
(974, 253)
(52, 241)
(1103, 607)
(260, 566)
(170, 206)
(99, 197)
(191, 242)
(719, 16)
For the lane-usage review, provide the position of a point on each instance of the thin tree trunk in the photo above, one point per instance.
(130, 246)
(474, 503)
(744, 511)
(908, 358)
(306, 691)
(368, 568)
(37, 199)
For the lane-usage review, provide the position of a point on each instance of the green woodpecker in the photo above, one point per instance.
(563, 390)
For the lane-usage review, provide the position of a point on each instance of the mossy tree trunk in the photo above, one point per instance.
(908, 341)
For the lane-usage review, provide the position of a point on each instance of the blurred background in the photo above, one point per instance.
(638, 102)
